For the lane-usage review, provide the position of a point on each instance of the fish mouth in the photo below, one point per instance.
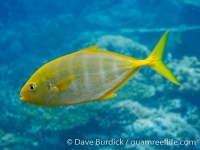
(22, 93)
(22, 98)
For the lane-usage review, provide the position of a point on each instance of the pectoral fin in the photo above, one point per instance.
(63, 84)
(108, 96)
(55, 89)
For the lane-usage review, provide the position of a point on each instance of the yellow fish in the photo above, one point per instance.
(88, 75)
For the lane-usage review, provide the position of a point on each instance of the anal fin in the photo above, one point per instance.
(108, 96)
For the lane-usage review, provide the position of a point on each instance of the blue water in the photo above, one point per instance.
(148, 107)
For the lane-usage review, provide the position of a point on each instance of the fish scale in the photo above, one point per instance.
(92, 75)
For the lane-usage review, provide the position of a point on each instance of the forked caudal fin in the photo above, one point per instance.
(156, 58)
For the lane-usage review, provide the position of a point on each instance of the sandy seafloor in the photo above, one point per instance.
(148, 107)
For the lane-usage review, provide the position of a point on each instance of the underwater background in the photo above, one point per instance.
(148, 107)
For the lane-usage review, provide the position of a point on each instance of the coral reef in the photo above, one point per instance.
(155, 107)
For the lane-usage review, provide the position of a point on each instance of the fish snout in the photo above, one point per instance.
(23, 96)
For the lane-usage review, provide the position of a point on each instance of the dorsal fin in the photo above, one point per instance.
(90, 49)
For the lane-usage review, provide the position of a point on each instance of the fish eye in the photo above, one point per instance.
(32, 87)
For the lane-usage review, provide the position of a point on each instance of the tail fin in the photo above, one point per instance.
(156, 58)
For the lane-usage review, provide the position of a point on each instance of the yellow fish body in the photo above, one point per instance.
(88, 75)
